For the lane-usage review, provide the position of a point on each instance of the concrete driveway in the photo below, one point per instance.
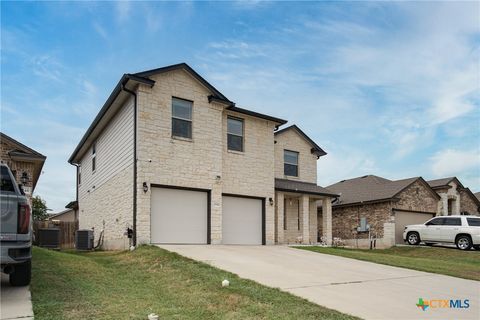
(363, 289)
(15, 302)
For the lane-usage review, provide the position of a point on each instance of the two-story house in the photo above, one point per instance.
(173, 159)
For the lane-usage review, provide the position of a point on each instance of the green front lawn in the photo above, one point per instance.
(448, 261)
(131, 285)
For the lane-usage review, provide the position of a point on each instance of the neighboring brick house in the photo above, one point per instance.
(171, 157)
(26, 164)
(385, 205)
(455, 198)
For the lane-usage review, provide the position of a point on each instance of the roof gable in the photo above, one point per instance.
(19, 149)
(128, 83)
(216, 95)
(315, 148)
(372, 188)
(443, 182)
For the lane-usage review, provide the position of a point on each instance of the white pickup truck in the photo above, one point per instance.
(16, 230)
(464, 231)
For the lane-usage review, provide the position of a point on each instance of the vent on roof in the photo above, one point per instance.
(365, 176)
(343, 180)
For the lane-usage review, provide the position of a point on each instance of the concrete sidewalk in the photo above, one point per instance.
(15, 302)
(364, 289)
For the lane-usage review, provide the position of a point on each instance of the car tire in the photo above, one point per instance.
(413, 238)
(22, 274)
(463, 242)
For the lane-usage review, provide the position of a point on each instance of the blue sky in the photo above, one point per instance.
(390, 89)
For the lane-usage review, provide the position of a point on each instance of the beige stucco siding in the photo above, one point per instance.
(107, 194)
(307, 162)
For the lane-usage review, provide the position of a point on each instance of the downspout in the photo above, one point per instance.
(76, 193)
(134, 94)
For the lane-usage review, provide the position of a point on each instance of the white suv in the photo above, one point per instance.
(464, 231)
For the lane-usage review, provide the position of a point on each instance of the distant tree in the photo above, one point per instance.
(39, 208)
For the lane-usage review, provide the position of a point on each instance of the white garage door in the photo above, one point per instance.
(178, 216)
(404, 218)
(242, 220)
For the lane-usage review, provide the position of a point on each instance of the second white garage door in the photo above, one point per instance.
(242, 221)
(178, 216)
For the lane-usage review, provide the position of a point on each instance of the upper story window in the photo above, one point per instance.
(181, 118)
(290, 163)
(94, 156)
(235, 134)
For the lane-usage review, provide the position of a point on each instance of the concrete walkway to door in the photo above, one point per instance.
(364, 289)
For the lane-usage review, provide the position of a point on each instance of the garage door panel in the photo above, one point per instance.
(242, 220)
(405, 218)
(178, 216)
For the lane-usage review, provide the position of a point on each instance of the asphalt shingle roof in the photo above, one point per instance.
(302, 187)
(368, 188)
(440, 182)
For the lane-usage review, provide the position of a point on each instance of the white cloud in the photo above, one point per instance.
(344, 163)
(100, 30)
(47, 66)
(451, 162)
(122, 9)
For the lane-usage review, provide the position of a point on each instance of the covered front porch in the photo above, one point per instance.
(296, 215)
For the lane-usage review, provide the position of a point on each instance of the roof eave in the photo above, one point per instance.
(324, 194)
(113, 96)
(359, 203)
(316, 150)
(279, 121)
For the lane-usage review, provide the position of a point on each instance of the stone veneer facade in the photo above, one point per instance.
(202, 162)
(380, 216)
(461, 200)
(197, 162)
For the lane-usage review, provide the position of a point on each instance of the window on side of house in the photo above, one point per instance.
(290, 163)
(182, 118)
(94, 156)
(79, 175)
(235, 134)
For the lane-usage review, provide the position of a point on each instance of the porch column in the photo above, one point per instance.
(456, 207)
(304, 209)
(327, 220)
(280, 217)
